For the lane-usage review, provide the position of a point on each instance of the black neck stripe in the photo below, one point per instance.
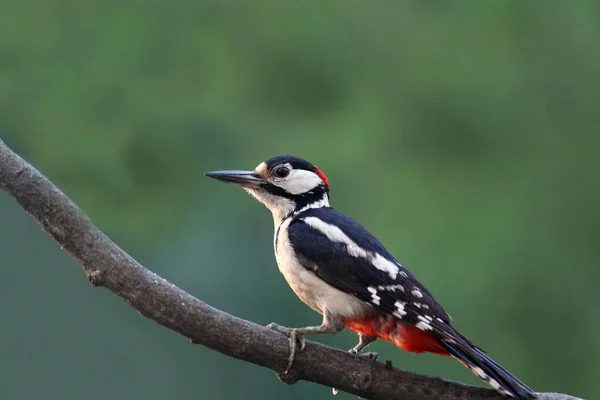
(300, 200)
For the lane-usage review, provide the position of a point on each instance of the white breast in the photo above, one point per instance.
(316, 293)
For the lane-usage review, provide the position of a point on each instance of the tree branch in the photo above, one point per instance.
(108, 266)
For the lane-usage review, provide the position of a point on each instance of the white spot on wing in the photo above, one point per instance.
(390, 288)
(425, 323)
(400, 311)
(424, 326)
(375, 299)
(417, 293)
(403, 274)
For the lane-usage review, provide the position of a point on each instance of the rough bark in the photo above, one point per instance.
(108, 266)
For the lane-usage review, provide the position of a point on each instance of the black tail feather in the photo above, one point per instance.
(489, 370)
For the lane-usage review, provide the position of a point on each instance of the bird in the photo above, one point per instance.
(339, 269)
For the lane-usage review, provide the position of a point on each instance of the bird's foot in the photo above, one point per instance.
(295, 338)
(371, 355)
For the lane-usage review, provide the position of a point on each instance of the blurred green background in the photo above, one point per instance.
(463, 134)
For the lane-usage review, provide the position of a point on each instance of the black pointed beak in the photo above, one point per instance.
(247, 179)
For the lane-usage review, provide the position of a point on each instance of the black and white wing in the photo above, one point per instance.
(344, 254)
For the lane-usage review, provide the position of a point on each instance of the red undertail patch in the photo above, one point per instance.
(403, 335)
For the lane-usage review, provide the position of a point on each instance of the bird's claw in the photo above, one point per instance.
(295, 338)
(371, 355)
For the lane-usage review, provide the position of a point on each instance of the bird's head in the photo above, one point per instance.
(285, 184)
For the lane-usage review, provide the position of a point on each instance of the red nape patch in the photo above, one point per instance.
(322, 176)
(403, 335)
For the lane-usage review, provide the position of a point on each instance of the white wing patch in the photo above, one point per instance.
(385, 265)
(332, 232)
(356, 251)
(335, 234)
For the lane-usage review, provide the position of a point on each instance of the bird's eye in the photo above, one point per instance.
(282, 172)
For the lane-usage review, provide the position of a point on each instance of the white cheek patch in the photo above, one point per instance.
(299, 181)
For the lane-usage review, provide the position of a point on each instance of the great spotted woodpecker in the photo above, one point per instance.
(342, 271)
